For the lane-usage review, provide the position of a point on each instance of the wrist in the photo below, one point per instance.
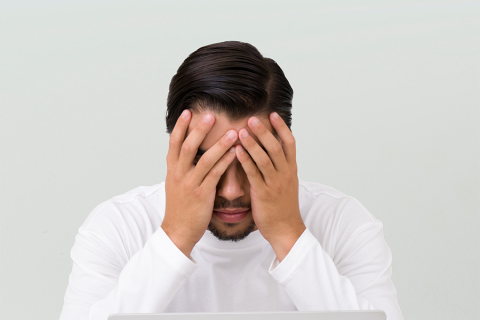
(179, 239)
(283, 243)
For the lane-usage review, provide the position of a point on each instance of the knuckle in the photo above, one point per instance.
(205, 160)
(252, 172)
(172, 143)
(215, 172)
(264, 162)
(277, 150)
(171, 169)
(291, 141)
(187, 186)
(198, 193)
(186, 148)
(176, 178)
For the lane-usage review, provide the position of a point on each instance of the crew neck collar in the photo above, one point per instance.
(254, 238)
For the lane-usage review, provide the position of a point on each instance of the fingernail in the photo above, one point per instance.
(208, 118)
(254, 122)
(245, 133)
(274, 116)
(231, 134)
(185, 114)
(240, 148)
(232, 150)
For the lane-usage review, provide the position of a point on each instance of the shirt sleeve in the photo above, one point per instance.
(103, 282)
(359, 279)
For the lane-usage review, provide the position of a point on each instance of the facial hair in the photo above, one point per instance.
(222, 235)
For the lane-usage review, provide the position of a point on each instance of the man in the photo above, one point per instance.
(232, 229)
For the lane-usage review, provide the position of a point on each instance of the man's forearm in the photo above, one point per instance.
(146, 284)
(313, 281)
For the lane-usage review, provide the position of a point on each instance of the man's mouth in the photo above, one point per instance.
(231, 215)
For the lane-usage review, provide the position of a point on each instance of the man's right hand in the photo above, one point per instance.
(190, 189)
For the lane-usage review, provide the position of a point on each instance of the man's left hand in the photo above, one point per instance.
(273, 183)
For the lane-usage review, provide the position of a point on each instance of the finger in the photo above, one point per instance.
(271, 144)
(211, 179)
(177, 136)
(286, 136)
(253, 174)
(261, 158)
(192, 142)
(210, 158)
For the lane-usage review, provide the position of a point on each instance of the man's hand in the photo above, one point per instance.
(190, 189)
(273, 183)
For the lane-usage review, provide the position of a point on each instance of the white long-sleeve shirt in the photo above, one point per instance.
(123, 262)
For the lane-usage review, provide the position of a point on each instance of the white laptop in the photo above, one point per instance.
(296, 315)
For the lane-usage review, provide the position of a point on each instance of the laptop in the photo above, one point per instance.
(296, 315)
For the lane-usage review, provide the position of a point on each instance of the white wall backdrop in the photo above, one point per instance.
(386, 109)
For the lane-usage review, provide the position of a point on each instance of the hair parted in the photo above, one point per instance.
(232, 78)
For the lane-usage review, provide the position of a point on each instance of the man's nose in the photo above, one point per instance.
(230, 186)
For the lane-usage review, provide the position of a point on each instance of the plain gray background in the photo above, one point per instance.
(386, 109)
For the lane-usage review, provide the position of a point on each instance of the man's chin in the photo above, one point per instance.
(231, 231)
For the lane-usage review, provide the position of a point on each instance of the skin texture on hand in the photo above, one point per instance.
(261, 173)
(190, 189)
(273, 183)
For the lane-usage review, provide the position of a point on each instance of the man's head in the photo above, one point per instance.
(233, 81)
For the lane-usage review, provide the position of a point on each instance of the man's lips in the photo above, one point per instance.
(231, 215)
(231, 210)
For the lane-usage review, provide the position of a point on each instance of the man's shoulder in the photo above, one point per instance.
(138, 203)
(324, 205)
(141, 192)
(316, 189)
(316, 194)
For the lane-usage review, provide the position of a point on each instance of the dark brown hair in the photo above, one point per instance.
(232, 78)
